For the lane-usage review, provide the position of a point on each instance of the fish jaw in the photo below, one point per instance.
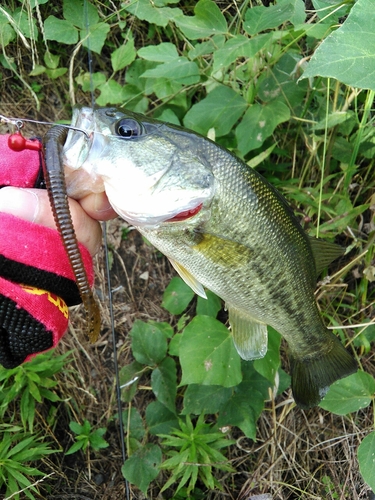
(81, 152)
(145, 208)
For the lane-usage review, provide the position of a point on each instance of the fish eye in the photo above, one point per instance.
(128, 128)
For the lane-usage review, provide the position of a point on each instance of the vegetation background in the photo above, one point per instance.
(289, 87)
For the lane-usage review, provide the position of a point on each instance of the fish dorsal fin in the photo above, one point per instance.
(324, 253)
(249, 336)
(189, 279)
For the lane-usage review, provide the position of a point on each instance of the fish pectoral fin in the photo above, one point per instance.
(223, 251)
(249, 336)
(189, 279)
(324, 253)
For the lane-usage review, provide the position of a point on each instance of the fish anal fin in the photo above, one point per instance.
(189, 279)
(324, 253)
(249, 336)
(312, 375)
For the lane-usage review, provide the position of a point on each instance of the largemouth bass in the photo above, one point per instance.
(222, 226)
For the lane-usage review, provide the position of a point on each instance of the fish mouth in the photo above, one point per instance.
(82, 143)
(153, 221)
(185, 214)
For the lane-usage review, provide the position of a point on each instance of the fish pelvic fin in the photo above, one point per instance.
(312, 376)
(249, 336)
(189, 279)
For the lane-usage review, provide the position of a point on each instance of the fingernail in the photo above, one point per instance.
(19, 202)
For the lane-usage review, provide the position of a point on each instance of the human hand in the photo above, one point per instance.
(36, 282)
(33, 205)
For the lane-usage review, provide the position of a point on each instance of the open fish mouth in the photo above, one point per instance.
(185, 214)
(153, 218)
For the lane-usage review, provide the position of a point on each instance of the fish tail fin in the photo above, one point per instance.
(312, 376)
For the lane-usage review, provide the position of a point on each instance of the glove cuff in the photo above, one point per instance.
(31, 321)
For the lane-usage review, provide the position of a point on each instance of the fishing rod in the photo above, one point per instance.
(108, 274)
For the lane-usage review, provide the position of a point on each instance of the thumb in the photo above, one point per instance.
(33, 205)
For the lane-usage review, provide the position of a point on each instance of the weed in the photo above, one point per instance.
(86, 437)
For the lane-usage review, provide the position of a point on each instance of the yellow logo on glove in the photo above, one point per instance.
(54, 299)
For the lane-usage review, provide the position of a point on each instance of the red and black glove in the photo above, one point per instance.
(36, 280)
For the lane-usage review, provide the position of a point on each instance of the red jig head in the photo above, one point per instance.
(17, 142)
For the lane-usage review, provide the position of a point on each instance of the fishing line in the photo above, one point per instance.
(18, 123)
(109, 286)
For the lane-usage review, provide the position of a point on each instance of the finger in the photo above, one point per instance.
(33, 205)
(98, 206)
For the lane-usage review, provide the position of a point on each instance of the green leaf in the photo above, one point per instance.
(164, 383)
(204, 399)
(348, 53)
(60, 30)
(239, 46)
(26, 24)
(205, 48)
(133, 425)
(123, 56)
(259, 123)
(366, 459)
(210, 306)
(208, 355)
(262, 18)
(75, 447)
(164, 327)
(75, 427)
(180, 70)
(349, 394)
(208, 20)
(97, 442)
(220, 110)
(56, 73)
(164, 52)
(246, 403)
(80, 14)
(34, 391)
(174, 345)
(143, 466)
(129, 378)
(96, 37)
(269, 365)
(281, 83)
(111, 92)
(334, 119)
(84, 79)
(27, 408)
(343, 220)
(159, 419)
(146, 11)
(7, 33)
(149, 344)
(51, 60)
(331, 7)
(177, 296)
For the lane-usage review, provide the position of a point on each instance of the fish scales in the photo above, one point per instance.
(223, 227)
(255, 284)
